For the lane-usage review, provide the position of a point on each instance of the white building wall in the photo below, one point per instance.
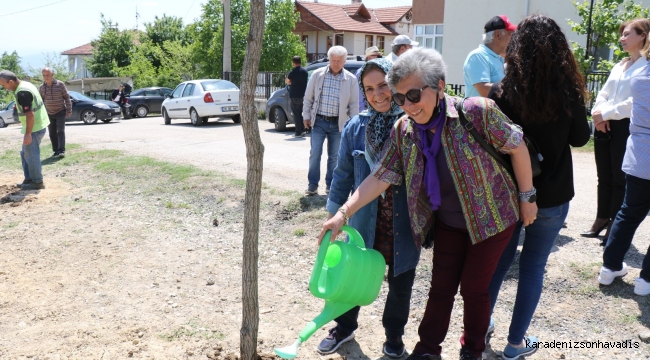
(463, 30)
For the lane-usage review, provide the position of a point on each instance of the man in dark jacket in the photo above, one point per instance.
(297, 78)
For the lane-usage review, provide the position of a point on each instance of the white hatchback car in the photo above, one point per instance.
(199, 100)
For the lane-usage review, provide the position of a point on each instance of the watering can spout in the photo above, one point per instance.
(331, 311)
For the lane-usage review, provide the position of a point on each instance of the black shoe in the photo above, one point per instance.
(333, 341)
(465, 354)
(61, 155)
(415, 356)
(25, 182)
(311, 190)
(394, 347)
(55, 154)
(592, 233)
(33, 186)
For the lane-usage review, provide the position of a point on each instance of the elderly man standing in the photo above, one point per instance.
(484, 65)
(332, 97)
(371, 53)
(400, 45)
(59, 107)
(34, 120)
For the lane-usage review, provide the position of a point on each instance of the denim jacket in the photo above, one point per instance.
(351, 169)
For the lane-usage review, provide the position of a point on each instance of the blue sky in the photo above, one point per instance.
(48, 26)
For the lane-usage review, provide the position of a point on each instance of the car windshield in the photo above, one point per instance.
(218, 85)
(77, 96)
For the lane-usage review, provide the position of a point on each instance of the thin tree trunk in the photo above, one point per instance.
(255, 157)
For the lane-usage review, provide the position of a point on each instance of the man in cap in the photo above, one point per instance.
(371, 53)
(484, 65)
(400, 45)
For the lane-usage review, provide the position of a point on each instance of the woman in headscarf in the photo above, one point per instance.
(362, 140)
(447, 172)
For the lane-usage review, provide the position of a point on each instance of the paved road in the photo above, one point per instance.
(220, 146)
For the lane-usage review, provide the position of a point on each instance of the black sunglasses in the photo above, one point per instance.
(414, 96)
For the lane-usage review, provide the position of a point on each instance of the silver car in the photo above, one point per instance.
(7, 115)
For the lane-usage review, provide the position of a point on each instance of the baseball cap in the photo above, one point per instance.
(500, 22)
(373, 50)
(404, 40)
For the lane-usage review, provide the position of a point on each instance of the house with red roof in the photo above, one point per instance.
(354, 26)
(77, 62)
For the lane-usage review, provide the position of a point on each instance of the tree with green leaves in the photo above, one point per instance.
(10, 62)
(606, 17)
(111, 51)
(57, 63)
(280, 43)
(166, 28)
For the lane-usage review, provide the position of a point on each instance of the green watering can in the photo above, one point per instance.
(345, 275)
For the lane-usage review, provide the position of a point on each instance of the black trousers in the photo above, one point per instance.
(609, 149)
(396, 310)
(296, 108)
(56, 130)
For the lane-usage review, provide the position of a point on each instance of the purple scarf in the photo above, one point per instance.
(430, 148)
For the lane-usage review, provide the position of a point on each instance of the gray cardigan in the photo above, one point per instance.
(348, 100)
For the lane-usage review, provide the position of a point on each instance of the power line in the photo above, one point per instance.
(34, 8)
(188, 10)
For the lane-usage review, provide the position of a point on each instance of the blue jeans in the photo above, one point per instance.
(539, 240)
(634, 210)
(322, 130)
(30, 156)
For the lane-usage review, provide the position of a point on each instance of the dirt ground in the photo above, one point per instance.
(124, 256)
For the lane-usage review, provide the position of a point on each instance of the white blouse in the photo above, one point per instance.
(614, 100)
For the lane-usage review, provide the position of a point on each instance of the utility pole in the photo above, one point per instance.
(591, 10)
(227, 67)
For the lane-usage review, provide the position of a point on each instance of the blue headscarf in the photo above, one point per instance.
(380, 124)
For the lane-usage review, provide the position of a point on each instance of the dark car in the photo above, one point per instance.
(147, 100)
(278, 107)
(90, 110)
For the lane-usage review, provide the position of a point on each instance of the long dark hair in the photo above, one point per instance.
(542, 79)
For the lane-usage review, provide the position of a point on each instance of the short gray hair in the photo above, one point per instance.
(7, 75)
(395, 48)
(426, 64)
(48, 69)
(337, 50)
(489, 36)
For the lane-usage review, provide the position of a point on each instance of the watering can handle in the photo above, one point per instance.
(355, 238)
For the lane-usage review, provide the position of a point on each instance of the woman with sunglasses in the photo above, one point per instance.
(543, 92)
(362, 140)
(453, 186)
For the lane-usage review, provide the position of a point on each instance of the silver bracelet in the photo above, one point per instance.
(527, 194)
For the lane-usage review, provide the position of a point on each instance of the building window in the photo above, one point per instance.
(305, 40)
(339, 39)
(429, 36)
(330, 43)
(368, 41)
(380, 43)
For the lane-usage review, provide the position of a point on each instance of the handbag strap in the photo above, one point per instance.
(489, 148)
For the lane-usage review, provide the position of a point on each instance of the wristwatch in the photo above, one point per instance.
(528, 196)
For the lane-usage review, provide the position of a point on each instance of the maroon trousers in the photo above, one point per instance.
(456, 261)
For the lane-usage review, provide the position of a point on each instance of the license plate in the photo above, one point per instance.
(229, 108)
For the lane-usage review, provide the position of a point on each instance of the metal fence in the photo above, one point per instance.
(267, 82)
(595, 81)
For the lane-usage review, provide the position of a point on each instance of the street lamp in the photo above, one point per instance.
(591, 10)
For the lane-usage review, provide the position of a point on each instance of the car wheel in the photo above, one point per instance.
(88, 117)
(236, 119)
(2, 123)
(168, 120)
(141, 111)
(280, 119)
(107, 120)
(195, 118)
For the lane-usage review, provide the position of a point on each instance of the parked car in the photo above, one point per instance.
(7, 115)
(199, 100)
(147, 100)
(90, 110)
(278, 107)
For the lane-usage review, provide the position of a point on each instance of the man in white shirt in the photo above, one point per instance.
(400, 45)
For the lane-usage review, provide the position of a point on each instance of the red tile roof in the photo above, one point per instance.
(85, 49)
(351, 18)
(391, 15)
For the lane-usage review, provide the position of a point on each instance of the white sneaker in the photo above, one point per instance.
(607, 276)
(641, 287)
